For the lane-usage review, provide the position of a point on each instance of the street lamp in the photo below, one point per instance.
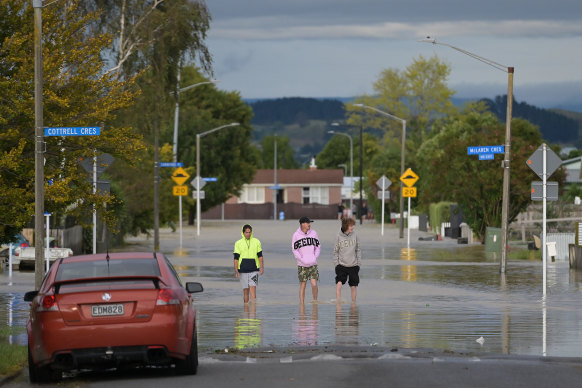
(351, 162)
(198, 178)
(506, 159)
(403, 141)
(177, 111)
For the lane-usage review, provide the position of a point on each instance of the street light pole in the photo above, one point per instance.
(198, 178)
(351, 163)
(177, 111)
(402, 151)
(38, 146)
(507, 152)
(361, 170)
(175, 145)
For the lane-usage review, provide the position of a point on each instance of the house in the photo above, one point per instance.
(312, 192)
(572, 167)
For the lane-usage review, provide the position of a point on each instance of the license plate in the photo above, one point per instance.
(103, 310)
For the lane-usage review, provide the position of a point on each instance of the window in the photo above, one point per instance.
(316, 194)
(252, 194)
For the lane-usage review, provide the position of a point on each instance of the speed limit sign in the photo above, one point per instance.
(180, 190)
(409, 192)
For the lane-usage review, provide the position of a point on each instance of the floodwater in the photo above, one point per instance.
(429, 296)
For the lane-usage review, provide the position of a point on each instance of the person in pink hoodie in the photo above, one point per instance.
(305, 246)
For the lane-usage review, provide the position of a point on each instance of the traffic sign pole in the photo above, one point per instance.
(545, 251)
(383, 193)
(408, 218)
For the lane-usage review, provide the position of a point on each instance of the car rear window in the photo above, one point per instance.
(100, 269)
(109, 285)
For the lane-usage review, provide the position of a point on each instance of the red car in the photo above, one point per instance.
(108, 310)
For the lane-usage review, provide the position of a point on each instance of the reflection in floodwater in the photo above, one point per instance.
(248, 331)
(347, 325)
(13, 315)
(306, 328)
(408, 272)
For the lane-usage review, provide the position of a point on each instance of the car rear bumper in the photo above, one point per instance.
(110, 357)
(128, 342)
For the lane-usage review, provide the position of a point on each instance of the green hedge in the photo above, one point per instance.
(439, 213)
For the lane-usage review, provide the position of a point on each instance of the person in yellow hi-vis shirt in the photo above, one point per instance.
(248, 263)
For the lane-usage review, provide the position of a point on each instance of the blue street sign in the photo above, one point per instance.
(486, 150)
(72, 131)
(276, 187)
(486, 156)
(171, 164)
(211, 179)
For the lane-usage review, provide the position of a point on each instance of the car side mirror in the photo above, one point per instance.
(30, 295)
(193, 287)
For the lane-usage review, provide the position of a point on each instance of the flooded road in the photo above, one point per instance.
(434, 295)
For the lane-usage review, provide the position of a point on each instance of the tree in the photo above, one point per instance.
(284, 152)
(448, 173)
(140, 27)
(227, 154)
(77, 92)
(418, 94)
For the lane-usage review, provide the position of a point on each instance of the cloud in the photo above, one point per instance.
(392, 30)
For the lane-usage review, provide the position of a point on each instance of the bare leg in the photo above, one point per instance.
(253, 293)
(354, 292)
(246, 295)
(314, 288)
(338, 292)
(302, 292)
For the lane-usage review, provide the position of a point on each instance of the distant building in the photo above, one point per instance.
(313, 192)
(573, 167)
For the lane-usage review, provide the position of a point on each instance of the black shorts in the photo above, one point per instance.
(342, 273)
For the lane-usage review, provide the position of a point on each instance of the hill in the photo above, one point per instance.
(306, 121)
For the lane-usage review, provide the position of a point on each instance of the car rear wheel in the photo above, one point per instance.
(189, 366)
(42, 374)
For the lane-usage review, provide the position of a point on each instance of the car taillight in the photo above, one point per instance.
(166, 296)
(48, 303)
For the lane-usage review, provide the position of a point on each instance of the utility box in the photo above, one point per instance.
(493, 240)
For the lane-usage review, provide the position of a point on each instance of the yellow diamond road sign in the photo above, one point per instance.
(180, 176)
(409, 178)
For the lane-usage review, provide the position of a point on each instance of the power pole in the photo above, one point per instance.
(38, 148)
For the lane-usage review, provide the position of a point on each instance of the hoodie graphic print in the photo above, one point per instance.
(305, 247)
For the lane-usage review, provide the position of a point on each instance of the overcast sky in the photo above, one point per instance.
(337, 48)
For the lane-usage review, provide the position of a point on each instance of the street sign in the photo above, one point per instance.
(201, 194)
(195, 181)
(72, 131)
(499, 149)
(171, 164)
(536, 161)
(210, 179)
(486, 156)
(409, 178)
(103, 163)
(383, 183)
(180, 190)
(409, 192)
(386, 195)
(276, 187)
(537, 191)
(180, 176)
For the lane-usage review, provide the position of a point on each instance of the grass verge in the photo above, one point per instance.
(12, 357)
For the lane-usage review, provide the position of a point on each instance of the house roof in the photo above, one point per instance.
(299, 176)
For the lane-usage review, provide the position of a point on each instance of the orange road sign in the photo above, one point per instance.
(180, 176)
(180, 190)
(409, 178)
(409, 192)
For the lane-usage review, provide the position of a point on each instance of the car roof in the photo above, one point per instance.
(112, 256)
